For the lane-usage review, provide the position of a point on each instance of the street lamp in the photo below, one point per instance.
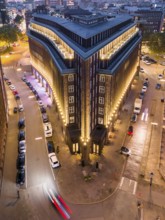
(163, 80)
(151, 177)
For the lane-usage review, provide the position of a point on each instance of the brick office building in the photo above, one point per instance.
(87, 65)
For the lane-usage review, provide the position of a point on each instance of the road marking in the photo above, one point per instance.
(38, 138)
(121, 183)
(128, 185)
(135, 187)
(144, 116)
(31, 96)
(141, 216)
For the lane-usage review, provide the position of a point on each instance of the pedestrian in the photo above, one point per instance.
(139, 204)
(18, 196)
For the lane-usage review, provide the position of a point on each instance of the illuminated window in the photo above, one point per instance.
(71, 88)
(100, 120)
(101, 100)
(102, 78)
(71, 119)
(71, 99)
(70, 77)
(71, 109)
(101, 111)
(101, 89)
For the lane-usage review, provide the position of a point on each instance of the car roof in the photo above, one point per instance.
(53, 157)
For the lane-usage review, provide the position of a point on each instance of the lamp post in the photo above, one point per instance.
(151, 177)
(163, 80)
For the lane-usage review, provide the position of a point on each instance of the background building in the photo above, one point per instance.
(150, 20)
(3, 120)
(3, 13)
(87, 65)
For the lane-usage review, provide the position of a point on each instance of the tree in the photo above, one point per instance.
(8, 34)
(18, 19)
(156, 42)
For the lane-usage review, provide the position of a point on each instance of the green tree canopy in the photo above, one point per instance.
(9, 34)
(18, 19)
(156, 42)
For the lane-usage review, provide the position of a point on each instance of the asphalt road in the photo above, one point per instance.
(39, 173)
(142, 128)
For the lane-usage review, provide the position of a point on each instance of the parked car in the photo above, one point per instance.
(21, 135)
(50, 146)
(125, 150)
(20, 108)
(22, 147)
(15, 110)
(53, 160)
(15, 92)
(20, 178)
(40, 103)
(21, 123)
(152, 60)
(17, 97)
(30, 86)
(24, 79)
(42, 109)
(34, 91)
(160, 76)
(20, 161)
(144, 88)
(141, 95)
(5, 78)
(37, 96)
(130, 130)
(147, 62)
(146, 83)
(28, 83)
(134, 118)
(12, 87)
(158, 86)
(144, 57)
(8, 82)
(48, 129)
(142, 70)
(45, 118)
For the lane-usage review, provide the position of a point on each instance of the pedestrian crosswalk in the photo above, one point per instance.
(128, 185)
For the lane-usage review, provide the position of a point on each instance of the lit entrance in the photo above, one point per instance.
(95, 149)
(75, 148)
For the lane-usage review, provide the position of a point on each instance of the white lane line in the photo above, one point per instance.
(130, 181)
(121, 183)
(141, 217)
(38, 138)
(31, 96)
(135, 186)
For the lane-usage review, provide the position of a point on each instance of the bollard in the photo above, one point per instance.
(83, 163)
